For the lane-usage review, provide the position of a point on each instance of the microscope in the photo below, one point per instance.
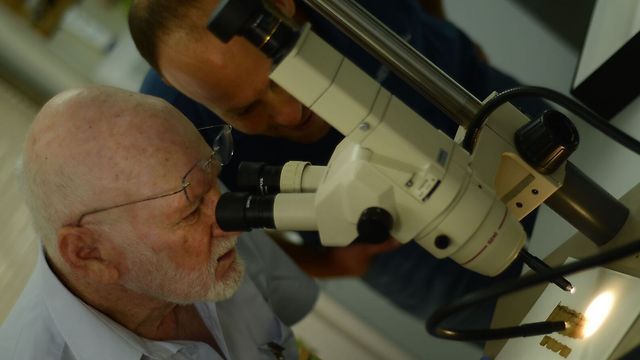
(394, 174)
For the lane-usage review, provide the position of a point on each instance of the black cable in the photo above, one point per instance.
(539, 266)
(509, 286)
(587, 115)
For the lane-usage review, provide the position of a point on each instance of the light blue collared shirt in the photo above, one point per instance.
(49, 322)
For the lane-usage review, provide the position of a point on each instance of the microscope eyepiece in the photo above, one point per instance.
(243, 211)
(259, 178)
(258, 22)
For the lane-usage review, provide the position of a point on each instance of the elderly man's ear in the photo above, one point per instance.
(87, 255)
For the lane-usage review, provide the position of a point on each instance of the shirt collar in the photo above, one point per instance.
(89, 333)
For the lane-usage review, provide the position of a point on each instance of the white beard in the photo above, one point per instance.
(154, 275)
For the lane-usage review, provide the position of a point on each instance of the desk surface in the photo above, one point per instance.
(512, 308)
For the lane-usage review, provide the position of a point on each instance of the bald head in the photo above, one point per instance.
(97, 146)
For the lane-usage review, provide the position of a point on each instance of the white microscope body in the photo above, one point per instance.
(453, 204)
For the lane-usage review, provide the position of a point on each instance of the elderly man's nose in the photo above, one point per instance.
(218, 232)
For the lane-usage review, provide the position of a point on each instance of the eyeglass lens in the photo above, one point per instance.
(201, 177)
(220, 138)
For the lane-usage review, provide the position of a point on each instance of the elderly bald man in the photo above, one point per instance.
(122, 189)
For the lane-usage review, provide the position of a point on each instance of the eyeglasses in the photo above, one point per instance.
(199, 177)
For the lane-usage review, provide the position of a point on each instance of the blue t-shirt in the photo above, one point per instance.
(410, 277)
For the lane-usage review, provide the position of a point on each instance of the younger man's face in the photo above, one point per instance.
(233, 81)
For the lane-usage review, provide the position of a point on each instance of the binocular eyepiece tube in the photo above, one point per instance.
(272, 197)
(259, 178)
(292, 177)
(243, 212)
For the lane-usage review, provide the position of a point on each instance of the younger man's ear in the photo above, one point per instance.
(84, 254)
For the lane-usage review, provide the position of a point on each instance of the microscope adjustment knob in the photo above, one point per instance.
(374, 225)
(547, 142)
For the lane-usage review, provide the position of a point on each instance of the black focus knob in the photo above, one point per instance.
(547, 142)
(374, 225)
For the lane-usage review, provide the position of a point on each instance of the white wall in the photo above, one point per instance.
(332, 332)
(18, 242)
(515, 42)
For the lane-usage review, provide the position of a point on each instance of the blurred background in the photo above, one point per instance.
(50, 45)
